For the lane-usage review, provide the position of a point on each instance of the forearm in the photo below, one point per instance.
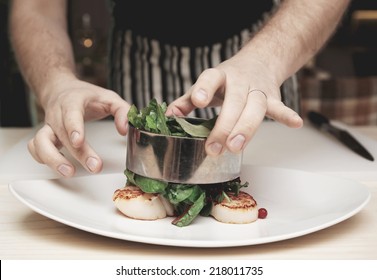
(41, 44)
(294, 34)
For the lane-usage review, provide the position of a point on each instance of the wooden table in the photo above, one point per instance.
(25, 234)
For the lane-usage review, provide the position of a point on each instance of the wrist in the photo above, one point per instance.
(268, 61)
(54, 85)
(262, 70)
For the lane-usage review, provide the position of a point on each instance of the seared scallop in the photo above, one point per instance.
(136, 204)
(241, 209)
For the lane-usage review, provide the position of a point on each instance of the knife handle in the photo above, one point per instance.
(323, 123)
(317, 118)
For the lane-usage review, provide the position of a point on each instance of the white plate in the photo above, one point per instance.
(298, 203)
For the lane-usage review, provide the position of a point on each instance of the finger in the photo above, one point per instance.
(44, 147)
(73, 121)
(73, 131)
(206, 91)
(231, 110)
(86, 156)
(283, 114)
(110, 103)
(247, 124)
(120, 110)
(208, 85)
(32, 150)
(105, 104)
(182, 106)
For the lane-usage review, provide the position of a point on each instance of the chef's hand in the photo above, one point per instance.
(247, 92)
(68, 106)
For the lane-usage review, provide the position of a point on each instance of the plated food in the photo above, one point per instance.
(146, 198)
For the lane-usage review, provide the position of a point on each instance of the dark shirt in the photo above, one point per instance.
(187, 22)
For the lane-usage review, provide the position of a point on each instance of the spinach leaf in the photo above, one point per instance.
(134, 118)
(151, 122)
(195, 130)
(146, 184)
(161, 119)
(130, 176)
(178, 193)
(149, 185)
(210, 123)
(191, 213)
(151, 118)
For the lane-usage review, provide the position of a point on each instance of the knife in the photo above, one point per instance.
(323, 123)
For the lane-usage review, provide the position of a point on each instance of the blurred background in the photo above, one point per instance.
(348, 62)
(89, 24)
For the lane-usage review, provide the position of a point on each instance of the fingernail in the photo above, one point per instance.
(74, 137)
(201, 95)
(237, 142)
(92, 163)
(65, 170)
(215, 148)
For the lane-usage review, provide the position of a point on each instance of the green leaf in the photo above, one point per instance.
(130, 176)
(151, 122)
(191, 213)
(178, 193)
(161, 120)
(149, 185)
(235, 186)
(210, 123)
(134, 118)
(206, 211)
(152, 118)
(146, 184)
(195, 130)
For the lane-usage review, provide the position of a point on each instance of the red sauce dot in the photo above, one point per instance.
(262, 213)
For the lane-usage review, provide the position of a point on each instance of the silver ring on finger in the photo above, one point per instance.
(258, 90)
